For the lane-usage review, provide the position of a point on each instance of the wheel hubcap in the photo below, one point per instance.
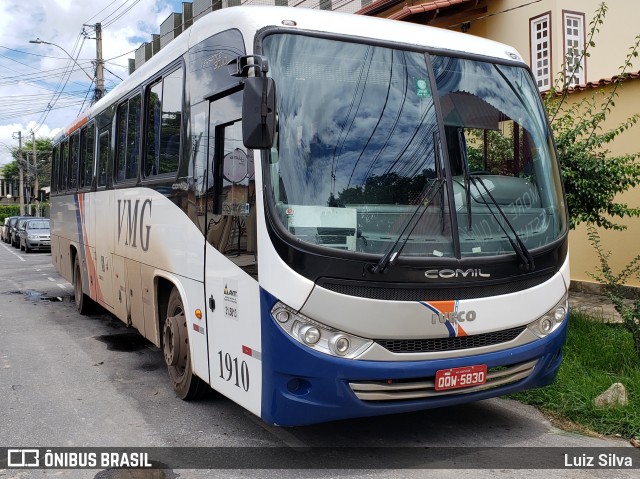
(175, 341)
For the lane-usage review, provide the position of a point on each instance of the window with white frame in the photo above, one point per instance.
(574, 48)
(540, 28)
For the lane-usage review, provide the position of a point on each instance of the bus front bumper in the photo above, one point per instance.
(302, 386)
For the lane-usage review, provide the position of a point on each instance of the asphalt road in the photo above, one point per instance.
(73, 381)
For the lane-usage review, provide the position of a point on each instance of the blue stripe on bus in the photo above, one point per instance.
(301, 386)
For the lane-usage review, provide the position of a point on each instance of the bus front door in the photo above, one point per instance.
(233, 319)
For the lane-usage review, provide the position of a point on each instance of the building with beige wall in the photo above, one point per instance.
(545, 32)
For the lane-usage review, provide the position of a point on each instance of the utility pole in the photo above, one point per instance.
(21, 192)
(99, 64)
(35, 174)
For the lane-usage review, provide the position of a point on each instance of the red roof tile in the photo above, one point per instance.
(425, 7)
(603, 82)
(407, 11)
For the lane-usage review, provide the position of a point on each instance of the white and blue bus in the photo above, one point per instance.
(323, 216)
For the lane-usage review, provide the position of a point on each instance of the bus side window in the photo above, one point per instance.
(103, 157)
(87, 142)
(128, 140)
(133, 138)
(164, 120)
(54, 169)
(121, 142)
(73, 161)
(64, 154)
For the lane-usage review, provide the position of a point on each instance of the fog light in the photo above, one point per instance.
(299, 386)
(340, 345)
(309, 334)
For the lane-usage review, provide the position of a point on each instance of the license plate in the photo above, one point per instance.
(464, 377)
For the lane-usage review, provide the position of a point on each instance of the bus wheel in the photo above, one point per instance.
(175, 346)
(84, 304)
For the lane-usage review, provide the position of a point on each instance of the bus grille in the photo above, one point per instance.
(450, 344)
(440, 292)
(421, 388)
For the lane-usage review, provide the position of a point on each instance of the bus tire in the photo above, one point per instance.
(177, 356)
(84, 304)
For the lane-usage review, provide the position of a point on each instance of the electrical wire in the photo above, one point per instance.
(107, 22)
(61, 85)
(114, 1)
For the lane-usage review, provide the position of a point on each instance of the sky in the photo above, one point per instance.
(35, 93)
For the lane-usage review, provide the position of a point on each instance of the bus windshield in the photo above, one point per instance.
(360, 146)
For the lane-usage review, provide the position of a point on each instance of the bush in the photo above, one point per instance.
(8, 210)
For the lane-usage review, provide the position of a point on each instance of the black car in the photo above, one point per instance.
(4, 229)
(35, 234)
(14, 239)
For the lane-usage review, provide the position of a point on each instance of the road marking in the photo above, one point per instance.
(63, 286)
(13, 252)
(50, 278)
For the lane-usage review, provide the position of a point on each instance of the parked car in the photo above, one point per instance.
(10, 226)
(14, 239)
(35, 234)
(4, 229)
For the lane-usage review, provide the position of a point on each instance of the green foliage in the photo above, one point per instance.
(596, 355)
(499, 148)
(592, 177)
(11, 171)
(630, 312)
(8, 210)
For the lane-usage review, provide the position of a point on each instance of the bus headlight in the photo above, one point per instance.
(309, 334)
(317, 336)
(549, 322)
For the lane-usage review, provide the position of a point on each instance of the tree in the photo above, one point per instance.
(11, 171)
(593, 178)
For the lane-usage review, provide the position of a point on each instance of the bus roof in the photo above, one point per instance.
(250, 19)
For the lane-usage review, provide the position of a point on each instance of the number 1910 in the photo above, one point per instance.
(229, 370)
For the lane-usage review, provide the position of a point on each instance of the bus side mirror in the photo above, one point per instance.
(259, 112)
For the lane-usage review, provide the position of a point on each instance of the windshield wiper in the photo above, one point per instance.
(516, 243)
(392, 254)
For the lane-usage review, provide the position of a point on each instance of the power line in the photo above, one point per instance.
(111, 22)
(114, 1)
(38, 55)
(62, 83)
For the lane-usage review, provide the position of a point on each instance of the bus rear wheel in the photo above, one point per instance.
(175, 346)
(84, 304)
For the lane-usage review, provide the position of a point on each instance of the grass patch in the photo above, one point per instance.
(596, 355)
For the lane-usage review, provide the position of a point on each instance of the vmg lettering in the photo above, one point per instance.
(133, 227)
